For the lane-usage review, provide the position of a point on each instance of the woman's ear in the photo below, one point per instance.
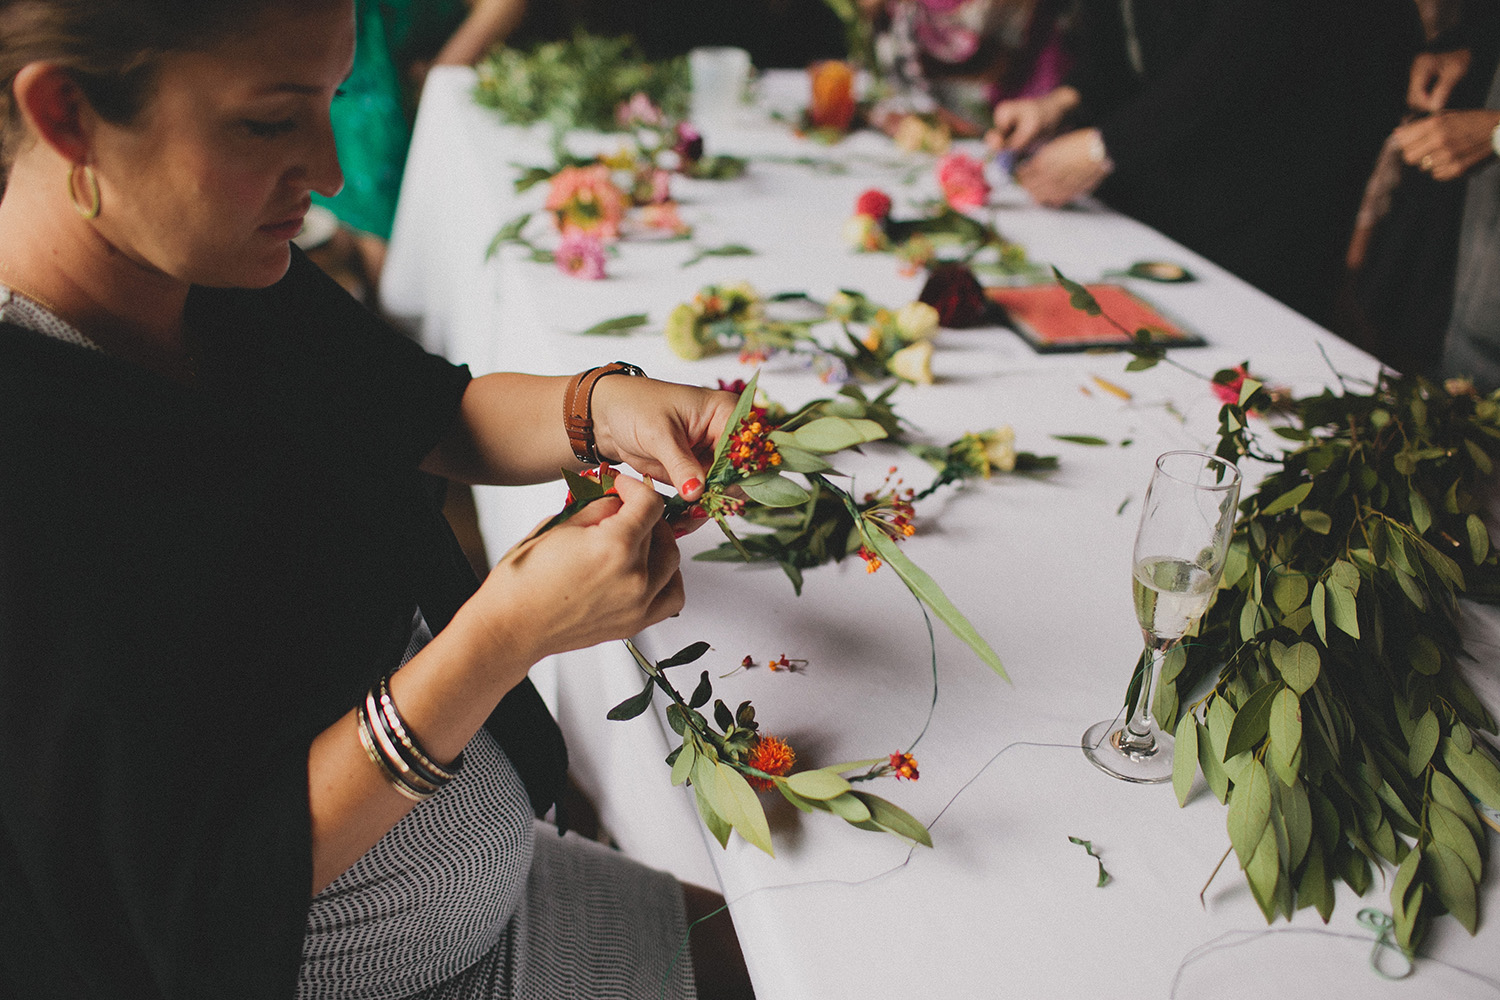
(55, 109)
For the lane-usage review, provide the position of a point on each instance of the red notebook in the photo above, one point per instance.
(1043, 315)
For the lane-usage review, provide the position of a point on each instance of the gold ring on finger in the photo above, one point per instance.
(1427, 162)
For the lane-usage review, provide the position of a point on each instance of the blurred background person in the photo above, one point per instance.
(1402, 258)
(397, 42)
(1243, 129)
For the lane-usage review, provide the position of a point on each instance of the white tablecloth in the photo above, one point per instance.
(1004, 905)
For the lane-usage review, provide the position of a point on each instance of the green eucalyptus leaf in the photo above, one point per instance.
(1421, 514)
(1289, 591)
(895, 819)
(738, 804)
(1426, 656)
(1410, 588)
(686, 654)
(706, 793)
(1445, 791)
(805, 805)
(1315, 888)
(1285, 733)
(829, 434)
(1251, 720)
(774, 491)
(634, 705)
(821, 784)
(1343, 611)
(1316, 520)
(1298, 664)
(1185, 759)
(1319, 607)
(702, 692)
(1474, 771)
(1449, 830)
(616, 326)
(1209, 763)
(927, 590)
(1479, 539)
(1406, 878)
(1423, 743)
(1263, 872)
(1250, 812)
(682, 767)
(849, 808)
(1450, 877)
(1287, 500)
(1296, 811)
(794, 459)
(1078, 297)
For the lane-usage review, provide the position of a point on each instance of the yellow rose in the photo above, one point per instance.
(917, 321)
(1000, 448)
(913, 364)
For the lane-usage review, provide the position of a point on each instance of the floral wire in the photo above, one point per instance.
(666, 978)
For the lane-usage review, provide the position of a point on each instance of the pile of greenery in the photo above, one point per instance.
(1339, 728)
(578, 83)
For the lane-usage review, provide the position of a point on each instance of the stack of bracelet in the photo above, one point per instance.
(392, 749)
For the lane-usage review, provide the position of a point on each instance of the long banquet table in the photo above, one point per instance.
(1004, 905)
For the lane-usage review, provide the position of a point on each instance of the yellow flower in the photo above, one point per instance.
(917, 321)
(1000, 448)
(864, 233)
(913, 364)
(684, 337)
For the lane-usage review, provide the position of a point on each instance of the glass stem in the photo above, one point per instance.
(1137, 736)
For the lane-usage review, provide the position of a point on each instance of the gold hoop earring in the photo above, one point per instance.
(91, 210)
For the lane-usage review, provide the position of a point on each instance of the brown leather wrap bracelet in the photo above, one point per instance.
(578, 407)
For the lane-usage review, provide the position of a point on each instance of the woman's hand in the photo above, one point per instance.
(606, 573)
(1066, 168)
(1020, 122)
(1448, 144)
(660, 429)
(1433, 77)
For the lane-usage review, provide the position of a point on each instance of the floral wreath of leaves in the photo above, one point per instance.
(725, 766)
(1338, 728)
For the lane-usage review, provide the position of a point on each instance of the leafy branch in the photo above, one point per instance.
(725, 766)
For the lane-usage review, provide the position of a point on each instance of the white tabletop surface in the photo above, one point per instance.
(1004, 905)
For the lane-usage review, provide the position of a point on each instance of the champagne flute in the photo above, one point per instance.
(1179, 555)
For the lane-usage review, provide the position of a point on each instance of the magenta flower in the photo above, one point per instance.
(581, 255)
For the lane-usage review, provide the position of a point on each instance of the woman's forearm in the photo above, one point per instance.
(510, 432)
(489, 23)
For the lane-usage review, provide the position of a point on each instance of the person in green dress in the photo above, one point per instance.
(396, 42)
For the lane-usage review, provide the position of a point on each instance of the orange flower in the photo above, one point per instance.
(750, 450)
(905, 766)
(772, 756)
(832, 95)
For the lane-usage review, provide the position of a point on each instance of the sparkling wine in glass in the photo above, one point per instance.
(1180, 547)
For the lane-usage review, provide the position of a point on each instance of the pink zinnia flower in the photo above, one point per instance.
(585, 199)
(962, 180)
(580, 254)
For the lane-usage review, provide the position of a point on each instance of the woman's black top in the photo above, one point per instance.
(194, 582)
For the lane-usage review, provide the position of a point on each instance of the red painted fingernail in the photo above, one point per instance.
(692, 486)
